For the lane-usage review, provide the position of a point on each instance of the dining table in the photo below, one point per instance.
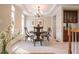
(39, 35)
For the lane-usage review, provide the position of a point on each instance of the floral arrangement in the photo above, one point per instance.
(5, 38)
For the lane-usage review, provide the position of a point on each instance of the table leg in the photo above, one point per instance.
(41, 43)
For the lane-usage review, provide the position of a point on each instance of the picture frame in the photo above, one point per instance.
(40, 22)
(35, 22)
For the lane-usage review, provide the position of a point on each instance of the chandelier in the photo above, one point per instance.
(38, 13)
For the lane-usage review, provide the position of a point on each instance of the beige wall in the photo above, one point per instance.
(4, 16)
(47, 22)
(18, 18)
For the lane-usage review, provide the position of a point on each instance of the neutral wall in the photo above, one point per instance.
(18, 18)
(4, 16)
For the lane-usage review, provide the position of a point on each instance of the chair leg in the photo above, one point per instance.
(41, 43)
(34, 43)
(26, 38)
(48, 38)
(43, 37)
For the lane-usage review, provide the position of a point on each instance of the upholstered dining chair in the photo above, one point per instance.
(27, 34)
(47, 33)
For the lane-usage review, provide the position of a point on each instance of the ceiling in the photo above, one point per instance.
(45, 9)
(31, 9)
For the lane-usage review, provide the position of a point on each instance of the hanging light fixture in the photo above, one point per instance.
(38, 13)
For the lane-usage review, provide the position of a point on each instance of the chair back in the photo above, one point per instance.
(26, 31)
(49, 31)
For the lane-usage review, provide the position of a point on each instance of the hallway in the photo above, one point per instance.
(51, 47)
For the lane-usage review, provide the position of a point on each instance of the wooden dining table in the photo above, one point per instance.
(39, 35)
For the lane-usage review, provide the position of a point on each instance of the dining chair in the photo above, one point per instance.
(28, 34)
(47, 33)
